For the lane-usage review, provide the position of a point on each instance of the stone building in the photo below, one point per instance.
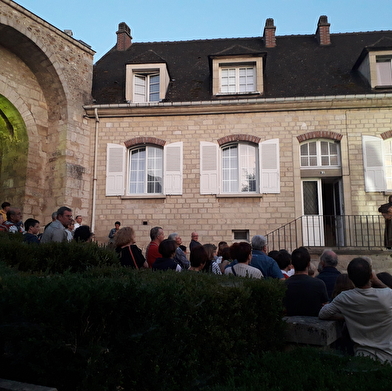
(228, 137)
(45, 142)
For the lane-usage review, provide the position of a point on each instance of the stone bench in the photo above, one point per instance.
(310, 330)
(10, 385)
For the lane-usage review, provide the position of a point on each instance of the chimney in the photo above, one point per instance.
(269, 33)
(322, 34)
(124, 39)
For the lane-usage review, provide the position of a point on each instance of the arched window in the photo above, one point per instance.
(320, 153)
(239, 168)
(146, 170)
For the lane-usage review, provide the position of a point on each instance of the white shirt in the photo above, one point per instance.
(368, 315)
(244, 270)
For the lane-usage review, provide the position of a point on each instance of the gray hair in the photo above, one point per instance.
(258, 242)
(329, 258)
(154, 232)
(173, 236)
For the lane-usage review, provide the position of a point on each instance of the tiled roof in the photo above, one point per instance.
(298, 66)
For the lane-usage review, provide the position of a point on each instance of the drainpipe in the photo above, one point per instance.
(95, 170)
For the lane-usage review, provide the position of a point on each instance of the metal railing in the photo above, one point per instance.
(349, 231)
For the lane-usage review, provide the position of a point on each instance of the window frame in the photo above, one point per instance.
(318, 156)
(370, 70)
(268, 169)
(236, 62)
(118, 173)
(146, 70)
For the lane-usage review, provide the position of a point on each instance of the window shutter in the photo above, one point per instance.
(139, 89)
(208, 168)
(173, 168)
(269, 166)
(373, 164)
(115, 169)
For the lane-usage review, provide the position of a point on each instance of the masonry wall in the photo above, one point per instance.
(47, 76)
(213, 217)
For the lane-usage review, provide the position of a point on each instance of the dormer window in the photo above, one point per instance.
(146, 87)
(237, 75)
(376, 67)
(146, 82)
(384, 70)
(238, 79)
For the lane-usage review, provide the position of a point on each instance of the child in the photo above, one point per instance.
(32, 228)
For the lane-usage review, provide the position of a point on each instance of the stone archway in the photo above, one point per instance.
(14, 145)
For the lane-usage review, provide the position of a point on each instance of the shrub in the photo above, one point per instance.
(110, 328)
(53, 257)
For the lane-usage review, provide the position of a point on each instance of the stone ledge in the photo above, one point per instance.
(10, 385)
(310, 330)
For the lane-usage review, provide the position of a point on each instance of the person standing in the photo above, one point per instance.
(194, 241)
(152, 251)
(32, 228)
(113, 232)
(78, 222)
(55, 232)
(13, 223)
(5, 206)
(386, 211)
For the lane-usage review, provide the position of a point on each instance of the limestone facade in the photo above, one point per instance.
(45, 80)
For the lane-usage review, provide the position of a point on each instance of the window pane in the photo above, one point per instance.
(312, 148)
(154, 170)
(230, 169)
(304, 150)
(154, 88)
(137, 170)
(248, 168)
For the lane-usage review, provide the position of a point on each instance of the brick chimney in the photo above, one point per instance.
(124, 39)
(269, 33)
(322, 34)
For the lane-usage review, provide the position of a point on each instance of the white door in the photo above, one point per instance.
(312, 220)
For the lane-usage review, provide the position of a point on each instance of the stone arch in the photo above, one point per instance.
(144, 140)
(14, 145)
(238, 137)
(319, 134)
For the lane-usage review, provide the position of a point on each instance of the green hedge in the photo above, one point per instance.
(112, 328)
(53, 257)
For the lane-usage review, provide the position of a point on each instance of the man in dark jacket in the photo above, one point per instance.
(328, 271)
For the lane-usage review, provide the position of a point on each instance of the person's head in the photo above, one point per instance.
(5, 206)
(156, 234)
(210, 250)
(124, 237)
(167, 248)
(32, 226)
(54, 216)
(386, 211)
(198, 257)
(221, 246)
(329, 258)
(259, 242)
(359, 271)
(225, 254)
(79, 219)
(195, 236)
(300, 258)
(64, 215)
(71, 225)
(342, 283)
(273, 254)
(83, 234)
(241, 251)
(176, 237)
(117, 225)
(283, 259)
(386, 278)
(14, 215)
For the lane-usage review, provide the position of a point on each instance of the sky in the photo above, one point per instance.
(95, 22)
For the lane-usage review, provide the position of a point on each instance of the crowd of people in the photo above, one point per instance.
(360, 297)
(62, 227)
